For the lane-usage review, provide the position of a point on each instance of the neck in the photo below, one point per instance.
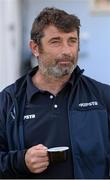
(50, 84)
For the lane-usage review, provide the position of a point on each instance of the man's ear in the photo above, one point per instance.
(34, 48)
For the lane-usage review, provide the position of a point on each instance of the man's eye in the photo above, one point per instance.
(55, 42)
(72, 41)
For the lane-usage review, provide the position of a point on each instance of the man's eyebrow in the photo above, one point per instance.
(54, 38)
(75, 38)
(59, 38)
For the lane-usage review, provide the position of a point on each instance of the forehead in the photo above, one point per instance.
(52, 31)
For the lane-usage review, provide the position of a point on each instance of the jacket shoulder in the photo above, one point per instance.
(96, 84)
(10, 92)
(13, 88)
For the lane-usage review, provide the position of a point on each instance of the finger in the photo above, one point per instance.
(40, 170)
(41, 153)
(35, 169)
(37, 161)
(42, 159)
(37, 153)
(41, 146)
(40, 165)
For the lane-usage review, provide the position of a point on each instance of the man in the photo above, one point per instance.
(55, 105)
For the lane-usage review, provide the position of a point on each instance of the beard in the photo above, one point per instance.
(58, 70)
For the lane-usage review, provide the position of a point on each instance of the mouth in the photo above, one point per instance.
(64, 62)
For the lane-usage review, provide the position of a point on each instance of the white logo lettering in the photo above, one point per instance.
(30, 116)
(94, 103)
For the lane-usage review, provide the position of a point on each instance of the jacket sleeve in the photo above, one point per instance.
(106, 97)
(12, 162)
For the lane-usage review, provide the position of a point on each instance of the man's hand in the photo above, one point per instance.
(36, 158)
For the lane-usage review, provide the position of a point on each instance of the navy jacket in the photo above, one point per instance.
(89, 122)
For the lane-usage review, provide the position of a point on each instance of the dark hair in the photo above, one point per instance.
(53, 16)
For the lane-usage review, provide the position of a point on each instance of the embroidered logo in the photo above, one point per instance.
(30, 116)
(93, 103)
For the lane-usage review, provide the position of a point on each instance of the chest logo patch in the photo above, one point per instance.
(30, 116)
(93, 103)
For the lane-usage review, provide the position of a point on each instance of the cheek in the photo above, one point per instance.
(46, 59)
(75, 52)
(49, 57)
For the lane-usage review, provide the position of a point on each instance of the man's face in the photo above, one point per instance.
(59, 54)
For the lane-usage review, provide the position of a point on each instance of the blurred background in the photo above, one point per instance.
(16, 18)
